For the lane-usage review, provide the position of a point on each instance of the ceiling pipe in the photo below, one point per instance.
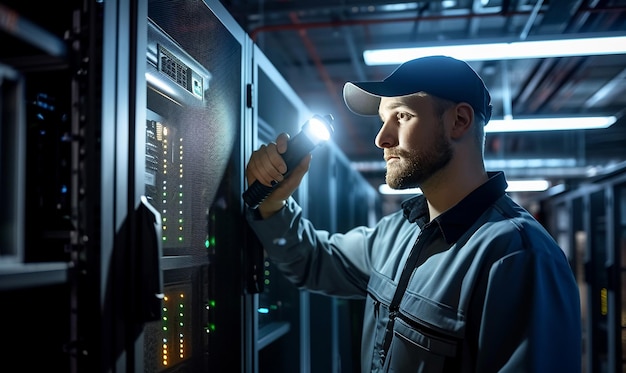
(610, 86)
(301, 27)
(507, 102)
(314, 55)
(531, 20)
(328, 82)
(360, 22)
(558, 70)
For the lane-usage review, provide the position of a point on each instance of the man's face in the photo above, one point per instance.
(414, 140)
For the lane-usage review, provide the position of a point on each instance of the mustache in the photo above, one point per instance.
(395, 153)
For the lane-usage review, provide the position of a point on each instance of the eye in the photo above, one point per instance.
(404, 116)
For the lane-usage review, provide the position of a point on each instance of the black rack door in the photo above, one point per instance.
(193, 167)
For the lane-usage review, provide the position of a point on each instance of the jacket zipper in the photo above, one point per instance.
(376, 307)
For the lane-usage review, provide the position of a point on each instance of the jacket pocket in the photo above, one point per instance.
(415, 350)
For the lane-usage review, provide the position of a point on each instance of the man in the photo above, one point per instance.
(461, 279)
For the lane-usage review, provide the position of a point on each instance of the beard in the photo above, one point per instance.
(416, 166)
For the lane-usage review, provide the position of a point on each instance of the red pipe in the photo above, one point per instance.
(330, 86)
(356, 22)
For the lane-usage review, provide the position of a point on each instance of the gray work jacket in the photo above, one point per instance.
(490, 291)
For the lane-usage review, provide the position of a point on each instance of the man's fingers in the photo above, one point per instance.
(291, 183)
(276, 166)
(266, 165)
(281, 142)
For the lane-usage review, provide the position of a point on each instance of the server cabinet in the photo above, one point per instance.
(588, 222)
(196, 71)
(302, 331)
(125, 131)
(324, 212)
(37, 224)
(281, 311)
(124, 176)
(74, 152)
(617, 298)
(342, 200)
(358, 204)
(35, 144)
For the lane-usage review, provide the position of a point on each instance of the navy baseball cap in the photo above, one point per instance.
(441, 76)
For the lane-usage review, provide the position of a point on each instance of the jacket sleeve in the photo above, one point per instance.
(335, 264)
(531, 314)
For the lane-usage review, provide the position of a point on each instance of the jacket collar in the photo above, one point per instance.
(457, 220)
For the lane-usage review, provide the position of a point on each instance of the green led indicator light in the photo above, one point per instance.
(210, 327)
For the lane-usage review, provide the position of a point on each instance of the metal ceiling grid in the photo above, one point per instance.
(318, 45)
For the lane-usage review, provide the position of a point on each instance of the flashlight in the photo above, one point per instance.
(314, 132)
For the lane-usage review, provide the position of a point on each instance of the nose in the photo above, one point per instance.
(386, 137)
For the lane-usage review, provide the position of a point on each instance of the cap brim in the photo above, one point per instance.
(359, 101)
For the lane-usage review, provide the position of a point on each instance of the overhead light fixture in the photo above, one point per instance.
(387, 190)
(534, 185)
(548, 124)
(502, 50)
(537, 185)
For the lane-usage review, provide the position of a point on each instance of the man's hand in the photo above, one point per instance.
(268, 167)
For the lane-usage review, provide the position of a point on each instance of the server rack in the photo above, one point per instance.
(197, 118)
(39, 225)
(358, 204)
(342, 200)
(280, 311)
(589, 222)
(125, 131)
(90, 250)
(335, 197)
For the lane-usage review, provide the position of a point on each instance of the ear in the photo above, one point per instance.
(464, 119)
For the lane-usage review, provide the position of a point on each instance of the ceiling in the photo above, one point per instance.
(317, 46)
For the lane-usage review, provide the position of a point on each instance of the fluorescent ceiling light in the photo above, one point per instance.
(538, 185)
(386, 189)
(502, 50)
(527, 163)
(548, 124)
